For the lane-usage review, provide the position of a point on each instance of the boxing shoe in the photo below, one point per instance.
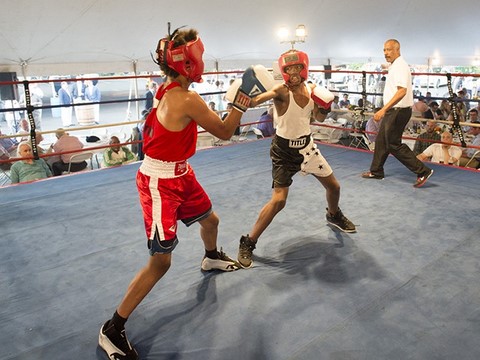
(245, 252)
(115, 343)
(223, 262)
(340, 221)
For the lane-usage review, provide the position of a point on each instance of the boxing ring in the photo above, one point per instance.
(405, 286)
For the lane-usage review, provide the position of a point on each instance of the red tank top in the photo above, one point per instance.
(162, 144)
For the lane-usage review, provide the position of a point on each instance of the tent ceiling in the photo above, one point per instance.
(72, 37)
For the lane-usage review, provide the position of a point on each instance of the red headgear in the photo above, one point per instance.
(185, 59)
(293, 57)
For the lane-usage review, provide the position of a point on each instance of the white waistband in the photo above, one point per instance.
(163, 169)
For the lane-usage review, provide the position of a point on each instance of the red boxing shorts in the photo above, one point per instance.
(169, 191)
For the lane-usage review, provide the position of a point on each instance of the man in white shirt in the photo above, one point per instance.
(396, 112)
(444, 152)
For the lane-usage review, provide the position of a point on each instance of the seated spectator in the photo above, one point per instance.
(266, 123)
(9, 144)
(65, 143)
(419, 107)
(442, 153)
(445, 109)
(334, 114)
(469, 152)
(28, 169)
(212, 105)
(117, 155)
(229, 108)
(472, 117)
(24, 130)
(433, 111)
(345, 103)
(430, 135)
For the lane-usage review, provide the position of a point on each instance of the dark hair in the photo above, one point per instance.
(179, 37)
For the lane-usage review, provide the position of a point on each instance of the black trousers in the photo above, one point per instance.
(389, 141)
(59, 167)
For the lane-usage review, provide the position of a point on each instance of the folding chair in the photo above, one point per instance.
(474, 157)
(243, 134)
(4, 177)
(80, 157)
(258, 132)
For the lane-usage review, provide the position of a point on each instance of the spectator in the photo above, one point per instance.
(433, 111)
(469, 152)
(150, 94)
(65, 143)
(65, 98)
(225, 114)
(117, 155)
(9, 144)
(212, 106)
(92, 94)
(28, 169)
(334, 114)
(266, 123)
(36, 96)
(345, 103)
(444, 153)
(472, 117)
(379, 92)
(425, 139)
(419, 107)
(445, 108)
(428, 97)
(24, 130)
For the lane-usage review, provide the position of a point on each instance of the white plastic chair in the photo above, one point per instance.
(79, 157)
(474, 157)
(258, 132)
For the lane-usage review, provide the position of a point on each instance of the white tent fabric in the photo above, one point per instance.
(92, 36)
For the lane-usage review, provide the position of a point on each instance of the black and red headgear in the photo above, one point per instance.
(293, 57)
(186, 59)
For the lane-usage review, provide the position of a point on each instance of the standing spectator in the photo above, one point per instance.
(92, 94)
(28, 169)
(150, 95)
(65, 98)
(379, 92)
(396, 113)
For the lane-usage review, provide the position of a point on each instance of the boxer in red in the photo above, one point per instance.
(168, 188)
